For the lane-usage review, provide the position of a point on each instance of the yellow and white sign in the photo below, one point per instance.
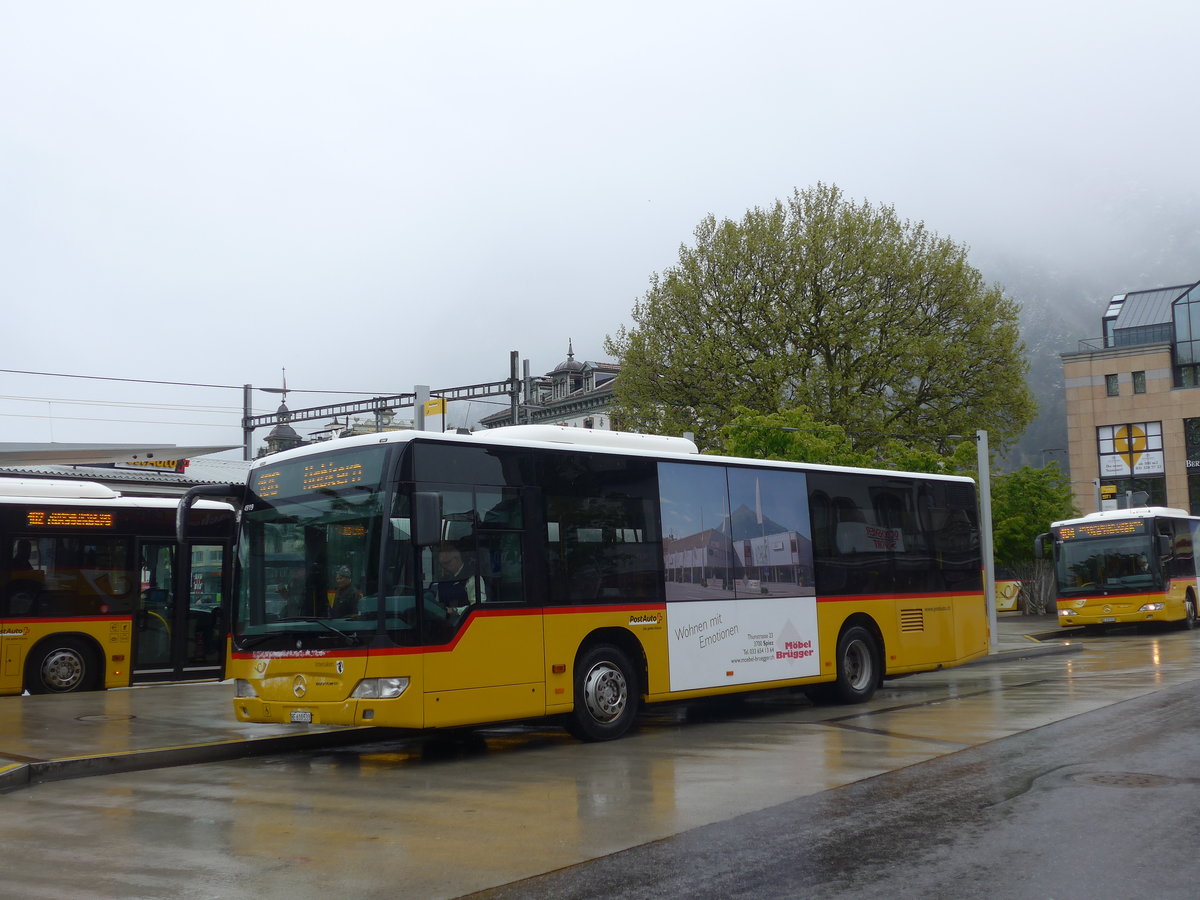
(435, 415)
(1131, 449)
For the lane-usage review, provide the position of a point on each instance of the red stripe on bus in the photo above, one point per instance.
(22, 620)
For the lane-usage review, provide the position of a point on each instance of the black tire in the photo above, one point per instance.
(607, 694)
(61, 666)
(858, 669)
(1189, 605)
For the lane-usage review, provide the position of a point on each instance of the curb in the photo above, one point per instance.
(26, 773)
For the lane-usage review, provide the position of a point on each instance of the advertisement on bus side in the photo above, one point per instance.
(718, 642)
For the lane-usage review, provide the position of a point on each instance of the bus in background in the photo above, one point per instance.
(95, 594)
(440, 580)
(1125, 566)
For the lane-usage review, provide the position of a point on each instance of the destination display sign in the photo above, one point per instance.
(1116, 528)
(68, 518)
(327, 474)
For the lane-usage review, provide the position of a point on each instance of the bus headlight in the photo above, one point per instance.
(1067, 612)
(243, 690)
(1152, 607)
(379, 688)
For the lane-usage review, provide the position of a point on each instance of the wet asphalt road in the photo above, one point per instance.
(1103, 805)
(1027, 778)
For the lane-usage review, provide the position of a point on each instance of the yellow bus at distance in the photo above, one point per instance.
(1126, 566)
(426, 580)
(94, 593)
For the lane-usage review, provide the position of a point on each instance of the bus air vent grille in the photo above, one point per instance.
(912, 620)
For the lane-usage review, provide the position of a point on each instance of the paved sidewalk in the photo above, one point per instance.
(1024, 636)
(48, 738)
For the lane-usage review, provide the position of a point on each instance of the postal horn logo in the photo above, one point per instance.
(299, 688)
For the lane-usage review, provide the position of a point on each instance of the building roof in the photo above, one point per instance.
(54, 453)
(1140, 308)
(570, 364)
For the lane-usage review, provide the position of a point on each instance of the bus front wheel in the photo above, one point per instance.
(857, 666)
(61, 666)
(1189, 610)
(606, 695)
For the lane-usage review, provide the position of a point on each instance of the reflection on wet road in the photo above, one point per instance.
(447, 815)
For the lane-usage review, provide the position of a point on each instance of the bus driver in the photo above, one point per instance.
(456, 587)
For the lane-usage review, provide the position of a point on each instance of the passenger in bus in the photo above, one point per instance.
(457, 587)
(293, 593)
(21, 559)
(345, 597)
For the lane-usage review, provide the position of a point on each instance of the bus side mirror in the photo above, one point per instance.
(1039, 546)
(427, 518)
(1164, 546)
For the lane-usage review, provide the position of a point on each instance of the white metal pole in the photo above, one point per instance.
(420, 396)
(985, 531)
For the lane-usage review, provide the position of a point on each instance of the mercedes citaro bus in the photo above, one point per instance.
(428, 580)
(1124, 566)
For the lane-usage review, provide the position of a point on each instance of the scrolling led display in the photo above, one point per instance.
(68, 518)
(331, 473)
(1102, 529)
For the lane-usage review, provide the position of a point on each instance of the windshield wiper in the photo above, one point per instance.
(254, 640)
(324, 623)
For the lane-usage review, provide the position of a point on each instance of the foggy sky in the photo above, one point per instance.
(378, 195)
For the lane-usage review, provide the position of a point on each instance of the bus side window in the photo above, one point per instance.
(501, 558)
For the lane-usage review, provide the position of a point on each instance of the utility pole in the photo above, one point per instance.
(247, 432)
(514, 376)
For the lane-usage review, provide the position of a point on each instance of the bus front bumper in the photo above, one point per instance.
(1114, 614)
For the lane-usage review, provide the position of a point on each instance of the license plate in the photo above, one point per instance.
(1105, 620)
(302, 716)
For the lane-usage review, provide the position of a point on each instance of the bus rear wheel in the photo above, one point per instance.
(857, 666)
(61, 666)
(606, 695)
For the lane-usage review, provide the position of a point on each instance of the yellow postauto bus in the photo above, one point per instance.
(94, 592)
(1124, 566)
(427, 580)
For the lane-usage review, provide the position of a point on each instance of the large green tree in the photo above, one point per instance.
(1024, 503)
(794, 435)
(840, 308)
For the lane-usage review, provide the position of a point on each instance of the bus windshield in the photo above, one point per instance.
(1110, 563)
(309, 554)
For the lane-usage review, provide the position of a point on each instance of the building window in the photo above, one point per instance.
(1139, 382)
(1131, 450)
(1123, 493)
(1187, 376)
(1112, 385)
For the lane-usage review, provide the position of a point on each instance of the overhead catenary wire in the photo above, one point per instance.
(231, 387)
(74, 401)
(116, 421)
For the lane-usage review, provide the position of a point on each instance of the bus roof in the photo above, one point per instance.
(48, 487)
(51, 492)
(559, 437)
(1137, 512)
